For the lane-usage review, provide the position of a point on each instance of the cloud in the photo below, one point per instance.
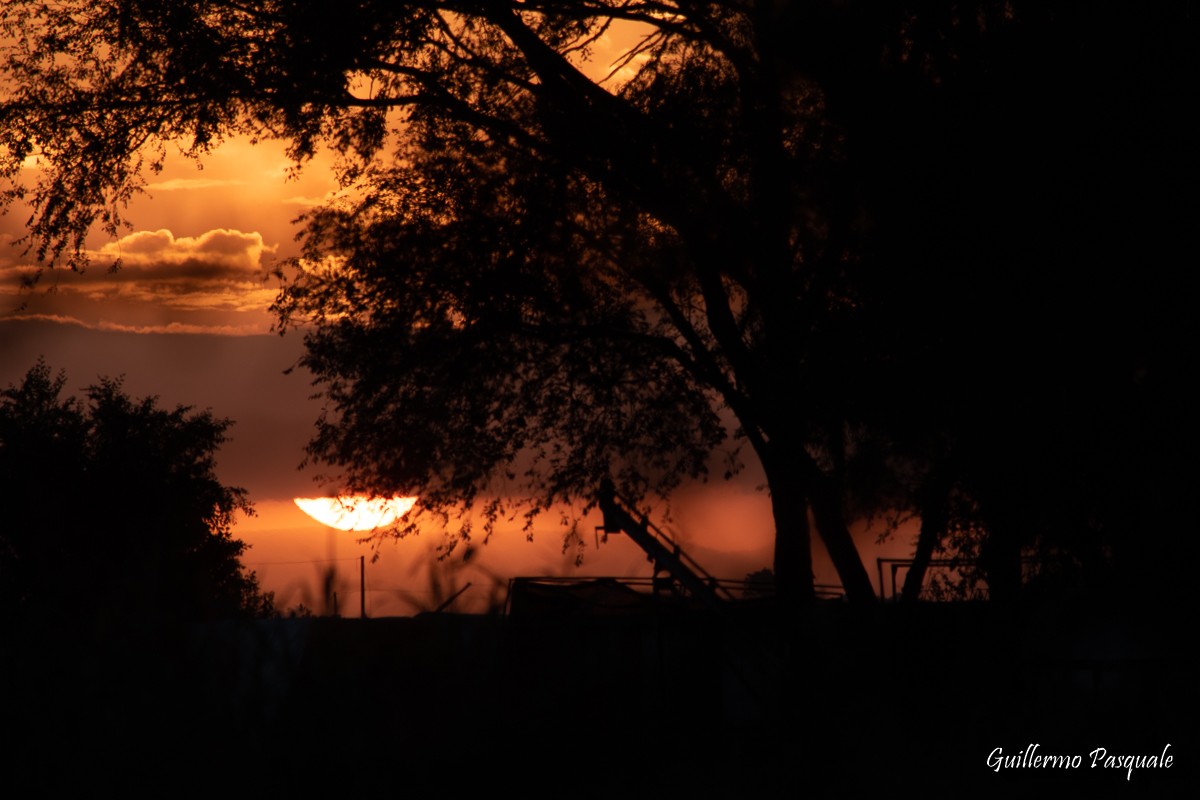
(220, 250)
(215, 282)
(185, 184)
(219, 269)
(306, 202)
(170, 328)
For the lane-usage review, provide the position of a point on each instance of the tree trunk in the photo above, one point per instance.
(934, 518)
(796, 482)
(793, 542)
(834, 533)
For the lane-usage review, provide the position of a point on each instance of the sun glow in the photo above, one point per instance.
(355, 512)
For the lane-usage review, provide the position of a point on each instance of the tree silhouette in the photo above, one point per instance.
(785, 210)
(113, 511)
(1036, 326)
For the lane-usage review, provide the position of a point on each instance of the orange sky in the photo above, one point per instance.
(186, 319)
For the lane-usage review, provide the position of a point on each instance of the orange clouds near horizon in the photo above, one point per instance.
(217, 281)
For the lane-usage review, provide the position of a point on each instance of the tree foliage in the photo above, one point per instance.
(805, 228)
(523, 346)
(113, 508)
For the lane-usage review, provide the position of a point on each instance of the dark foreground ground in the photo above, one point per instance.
(659, 703)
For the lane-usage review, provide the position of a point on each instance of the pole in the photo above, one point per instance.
(362, 586)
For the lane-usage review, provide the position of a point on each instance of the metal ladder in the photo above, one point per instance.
(687, 576)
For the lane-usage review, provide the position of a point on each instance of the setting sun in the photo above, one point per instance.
(355, 512)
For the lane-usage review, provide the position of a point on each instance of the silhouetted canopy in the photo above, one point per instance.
(871, 241)
(113, 511)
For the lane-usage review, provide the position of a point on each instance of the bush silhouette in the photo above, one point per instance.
(113, 511)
